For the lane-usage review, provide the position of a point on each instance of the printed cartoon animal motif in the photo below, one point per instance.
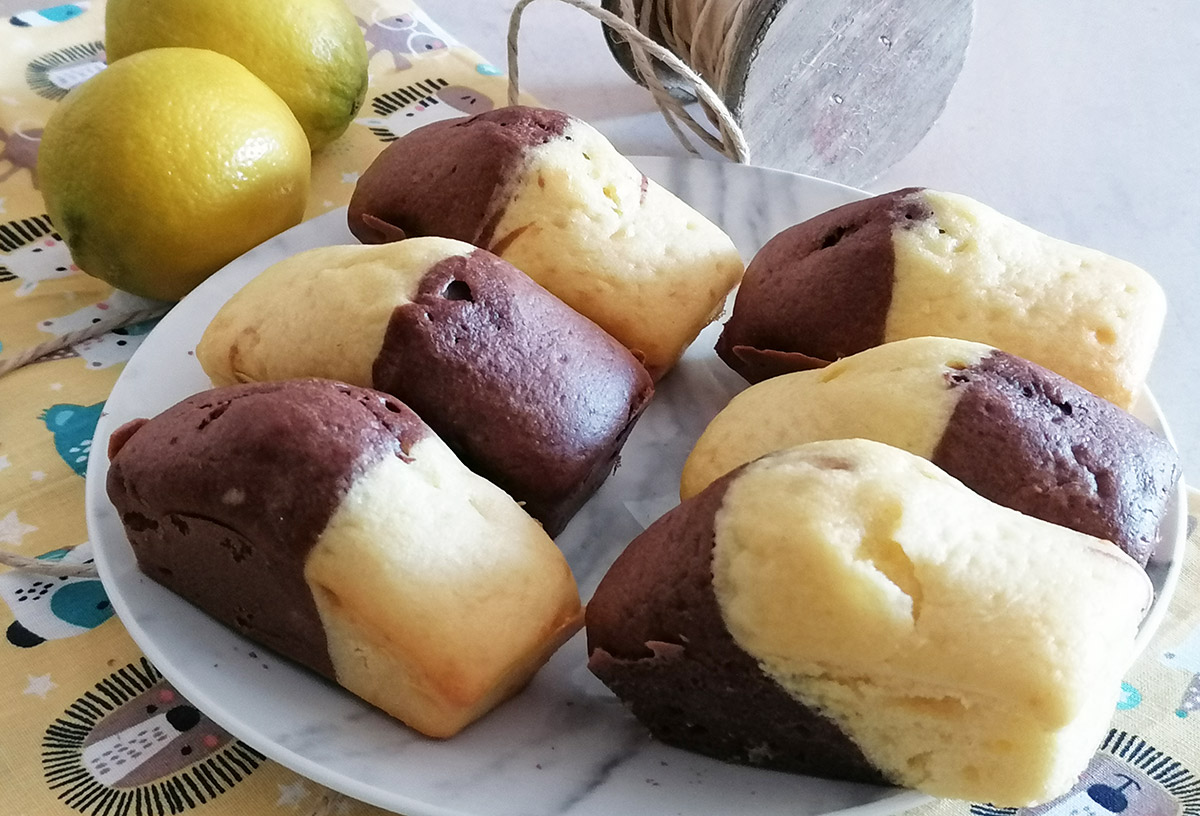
(53, 607)
(52, 75)
(1190, 699)
(430, 100)
(134, 739)
(1186, 654)
(20, 149)
(117, 346)
(1108, 786)
(50, 16)
(115, 304)
(1127, 776)
(401, 35)
(46, 259)
(128, 747)
(73, 427)
(1130, 697)
(16, 234)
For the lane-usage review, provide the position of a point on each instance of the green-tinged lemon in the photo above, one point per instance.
(311, 52)
(169, 164)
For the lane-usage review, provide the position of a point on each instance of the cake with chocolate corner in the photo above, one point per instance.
(919, 262)
(549, 194)
(330, 524)
(529, 393)
(1012, 431)
(846, 609)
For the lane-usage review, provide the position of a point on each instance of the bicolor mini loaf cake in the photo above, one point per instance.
(549, 194)
(919, 262)
(846, 609)
(329, 523)
(1010, 430)
(526, 391)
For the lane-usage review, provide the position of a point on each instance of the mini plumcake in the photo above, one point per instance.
(330, 524)
(549, 194)
(526, 391)
(918, 262)
(1010, 430)
(846, 609)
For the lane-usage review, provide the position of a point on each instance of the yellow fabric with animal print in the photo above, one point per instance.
(73, 686)
(418, 74)
(89, 725)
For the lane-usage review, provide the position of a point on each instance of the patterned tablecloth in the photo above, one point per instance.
(69, 674)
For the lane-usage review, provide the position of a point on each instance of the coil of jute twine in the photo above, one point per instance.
(840, 90)
(730, 141)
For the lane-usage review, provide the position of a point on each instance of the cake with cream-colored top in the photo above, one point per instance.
(549, 194)
(528, 392)
(846, 609)
(329, 523)
(1012, 431)
(920, 262)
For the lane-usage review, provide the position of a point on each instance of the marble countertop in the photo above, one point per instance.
(1077, 118)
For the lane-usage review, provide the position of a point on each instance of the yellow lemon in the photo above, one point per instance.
(169, 164)
(311, 52)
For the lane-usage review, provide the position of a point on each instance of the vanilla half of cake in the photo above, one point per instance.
(918, 262)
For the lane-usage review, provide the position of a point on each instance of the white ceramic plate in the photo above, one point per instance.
(564, 745)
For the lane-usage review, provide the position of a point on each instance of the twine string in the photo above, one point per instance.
(731, 142)
(107, 324)
(42, 566)
(702, 32)
(33, 354)
(331, 802)
(706, 31)
(667, 105)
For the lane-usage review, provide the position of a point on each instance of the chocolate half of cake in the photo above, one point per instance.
(224, 495)
(1012, 431)
(526, 391)
(657, 639)
(820, 290)
(1031, 440)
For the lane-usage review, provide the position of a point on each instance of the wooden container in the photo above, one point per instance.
(834, 89)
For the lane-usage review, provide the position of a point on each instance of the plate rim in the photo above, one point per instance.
(899, 800)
